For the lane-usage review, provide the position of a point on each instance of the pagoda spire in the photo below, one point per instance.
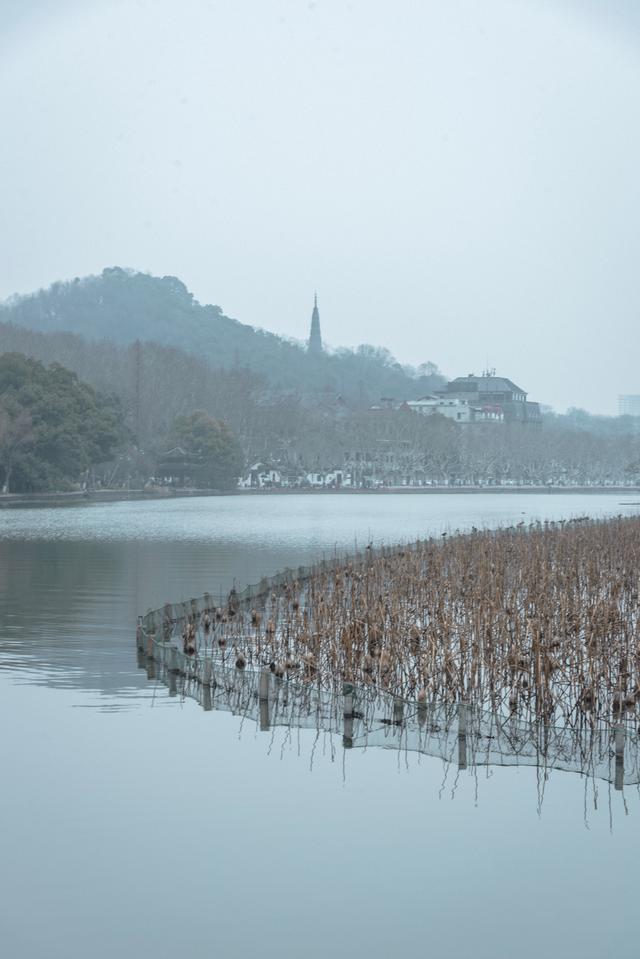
(315, 338)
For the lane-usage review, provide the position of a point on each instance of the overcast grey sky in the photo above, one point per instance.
(458, 179)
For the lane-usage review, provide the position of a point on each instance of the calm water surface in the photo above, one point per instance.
(135, 824)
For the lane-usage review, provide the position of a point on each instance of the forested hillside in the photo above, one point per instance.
(122, 306)
(280, 405)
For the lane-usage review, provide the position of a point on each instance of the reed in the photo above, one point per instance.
(540, 621)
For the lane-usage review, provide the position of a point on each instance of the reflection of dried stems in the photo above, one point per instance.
(543, 621)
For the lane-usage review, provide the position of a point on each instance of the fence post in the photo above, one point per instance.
(462, 736)
(398, 711)
(347, 735)
(191, 667)
(263, 696)
(618, 739)
(173, 658)
(167, 627)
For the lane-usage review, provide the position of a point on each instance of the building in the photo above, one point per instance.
(491, 393)
(259, 476)
(176, 467)
(328, 479)
(315, 339)
(629, 404)
(459, 410)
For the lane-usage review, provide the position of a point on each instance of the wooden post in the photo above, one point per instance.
(398, 711)
(173, 682)
(167, 627)
(347, 692)
(348, 705)
(173, 658)
(207, 672)
(206, 698)
(462, 736)
(263, 695)
(618, 739)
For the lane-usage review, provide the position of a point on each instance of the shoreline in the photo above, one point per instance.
(43, 500)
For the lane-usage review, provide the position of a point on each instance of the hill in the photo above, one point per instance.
(122, 306)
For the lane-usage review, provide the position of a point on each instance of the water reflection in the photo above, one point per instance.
(464, 738)
(73, 581)
(118, 785)
(67, 608)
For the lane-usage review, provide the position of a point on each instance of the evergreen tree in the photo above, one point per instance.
(53, 427)
(213, 455)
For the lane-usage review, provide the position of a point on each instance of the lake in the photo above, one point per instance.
(135, 823)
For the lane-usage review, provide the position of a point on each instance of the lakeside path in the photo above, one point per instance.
(25, 500)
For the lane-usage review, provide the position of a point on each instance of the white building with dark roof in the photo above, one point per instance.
(453, 408)
(493, 393)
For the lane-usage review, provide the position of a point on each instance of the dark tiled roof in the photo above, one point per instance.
(483, 384)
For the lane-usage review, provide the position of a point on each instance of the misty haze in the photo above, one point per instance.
(319, 477)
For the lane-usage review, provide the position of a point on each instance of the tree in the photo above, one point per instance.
(212, 452)
(16, 433)
(53, 427)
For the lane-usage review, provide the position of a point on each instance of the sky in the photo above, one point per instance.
(457, 179)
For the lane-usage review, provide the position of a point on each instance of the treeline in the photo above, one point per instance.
(400, 446)
(123, 306)
(151, 386)
(262, 398)
(156, 384)
(58, 433)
